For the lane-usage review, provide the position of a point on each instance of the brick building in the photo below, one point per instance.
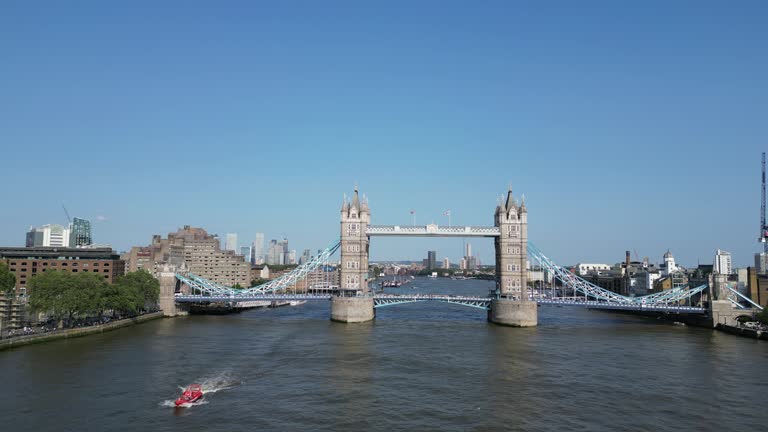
(25, 263)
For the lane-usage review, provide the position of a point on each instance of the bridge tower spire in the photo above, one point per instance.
(511, 248)
(355, 217)
(512, 307)
(353, 303)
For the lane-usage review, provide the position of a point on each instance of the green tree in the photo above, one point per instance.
(122, 298)
(763, 316)
(281, 267)
(86, 296)
(143, 284)
(237, 286)
(67, 295)
(52, 292)
(258, 281)
(136, 291)
(7, 280)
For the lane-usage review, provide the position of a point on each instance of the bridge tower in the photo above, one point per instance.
(353, 303)
(512, 307)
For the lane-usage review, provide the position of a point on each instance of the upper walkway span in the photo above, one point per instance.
(432, 230)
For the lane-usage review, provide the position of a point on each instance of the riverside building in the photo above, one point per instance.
(25, 263)
(194, 250)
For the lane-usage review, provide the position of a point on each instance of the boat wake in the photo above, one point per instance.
(171, 403)
(210, 385)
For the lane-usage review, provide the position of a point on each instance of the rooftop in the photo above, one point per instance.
(58, 252)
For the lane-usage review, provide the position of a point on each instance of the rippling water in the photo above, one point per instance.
(423, 366)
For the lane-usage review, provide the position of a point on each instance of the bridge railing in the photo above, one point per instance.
(486, 231)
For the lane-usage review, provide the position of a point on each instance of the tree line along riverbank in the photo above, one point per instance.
(76, 332)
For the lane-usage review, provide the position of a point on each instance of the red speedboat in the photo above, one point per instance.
(192, 394)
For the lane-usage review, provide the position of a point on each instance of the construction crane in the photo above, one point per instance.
(763, 227)
(70, 219)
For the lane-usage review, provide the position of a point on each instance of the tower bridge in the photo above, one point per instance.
(510, 233)
(509, 304)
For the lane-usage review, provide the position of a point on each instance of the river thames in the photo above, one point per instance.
(422, 366)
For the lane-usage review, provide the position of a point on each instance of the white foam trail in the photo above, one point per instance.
(172, 404)
(217, 383)
(210, 384)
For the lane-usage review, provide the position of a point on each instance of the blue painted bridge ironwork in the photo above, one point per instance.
(384, 300)
(204, 291)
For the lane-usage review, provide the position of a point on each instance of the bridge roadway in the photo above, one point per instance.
(382, 300)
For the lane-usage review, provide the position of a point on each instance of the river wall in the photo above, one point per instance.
(77, 332)
(743, 332)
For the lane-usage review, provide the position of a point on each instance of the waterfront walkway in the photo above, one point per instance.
(75, 332)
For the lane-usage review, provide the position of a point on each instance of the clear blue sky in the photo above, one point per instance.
(627, 126)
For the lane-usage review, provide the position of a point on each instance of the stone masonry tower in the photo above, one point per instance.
(512, 307)
(512, 248)
(355, 217)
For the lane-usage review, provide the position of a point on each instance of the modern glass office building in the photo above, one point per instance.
(80, 233)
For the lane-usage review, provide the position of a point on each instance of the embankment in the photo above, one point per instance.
(76, 332)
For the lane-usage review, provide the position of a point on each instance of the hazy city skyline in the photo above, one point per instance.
(628, 130)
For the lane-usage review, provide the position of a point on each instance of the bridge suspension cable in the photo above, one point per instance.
(738, 295)
(202, 287)
(205, 287)
(589, 289)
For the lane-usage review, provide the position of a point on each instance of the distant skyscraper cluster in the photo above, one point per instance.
(257, 249)
(279, 254)
(469, 262)
(245, 251)
(305, 256)
(77, 234)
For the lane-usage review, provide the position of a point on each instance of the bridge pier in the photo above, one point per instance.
(352, 309)
(513, 313)
(167, 294)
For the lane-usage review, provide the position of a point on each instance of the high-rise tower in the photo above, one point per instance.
(355, 217)
(231, 242)
(80, 233)
(257, 249)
